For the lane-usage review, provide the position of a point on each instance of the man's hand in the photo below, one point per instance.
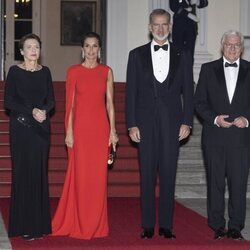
(220, 121)
(240, 122)
(184, 132)
(134, 134)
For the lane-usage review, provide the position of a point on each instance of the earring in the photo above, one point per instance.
(99, 55)
(83, 54)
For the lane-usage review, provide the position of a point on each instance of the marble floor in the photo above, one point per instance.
(198, 205)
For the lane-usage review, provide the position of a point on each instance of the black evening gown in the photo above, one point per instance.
(29, 140)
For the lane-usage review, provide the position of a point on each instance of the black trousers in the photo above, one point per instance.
(231, 165)
(158, 153)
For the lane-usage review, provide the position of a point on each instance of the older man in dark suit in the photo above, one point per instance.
(159, 113)
(223, 101)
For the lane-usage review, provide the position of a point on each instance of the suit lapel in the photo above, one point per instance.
(173, 65)
(240, 81)
(147, 61)
(219, 71)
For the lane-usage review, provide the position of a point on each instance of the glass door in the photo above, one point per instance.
(20, 17)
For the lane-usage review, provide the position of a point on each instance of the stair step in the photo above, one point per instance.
(55, 162)
(123, 178)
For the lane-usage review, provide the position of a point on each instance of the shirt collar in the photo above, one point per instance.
(155, 43)
(225, 60)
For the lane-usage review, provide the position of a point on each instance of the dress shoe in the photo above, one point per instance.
(234, 234)
(28, 237)
(219, 233)
(167, 233)
(147, 233)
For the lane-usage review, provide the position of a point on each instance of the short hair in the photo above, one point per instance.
(159, 12)
(92, 35)
(234, 33)
(29, 36)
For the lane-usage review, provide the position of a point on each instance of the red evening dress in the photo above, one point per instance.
(82, 209)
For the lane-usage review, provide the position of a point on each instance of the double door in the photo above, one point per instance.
(20, 17)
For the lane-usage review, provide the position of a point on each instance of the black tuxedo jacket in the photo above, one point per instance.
(211, 100)
(176, 99)
(179, 7)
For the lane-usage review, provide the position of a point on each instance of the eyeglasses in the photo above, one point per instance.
(232, 46)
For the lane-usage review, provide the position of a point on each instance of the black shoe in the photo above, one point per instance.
(28, 237)
(147, 233)
(167, 233)
(219, 233)
(38, 237)
(234, 234)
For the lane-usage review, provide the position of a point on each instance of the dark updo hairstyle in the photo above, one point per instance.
(29, 36)
(92, 35)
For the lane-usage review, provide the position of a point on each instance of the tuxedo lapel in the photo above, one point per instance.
(173, 65)
(147, 62)
(219, 72)
(240, 81)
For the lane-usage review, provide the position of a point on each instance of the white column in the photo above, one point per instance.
(158, 4)
(117, 52)
(245, 26)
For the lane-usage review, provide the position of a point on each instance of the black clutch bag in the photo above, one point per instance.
(24, 120)
(111, 158)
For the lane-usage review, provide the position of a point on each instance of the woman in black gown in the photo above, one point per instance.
(29, 98)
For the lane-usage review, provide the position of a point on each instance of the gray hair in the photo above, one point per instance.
(234, 33)
(159, 12)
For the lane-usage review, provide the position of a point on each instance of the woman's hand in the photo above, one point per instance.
(39, 115)
(69, 139)
(113, 139)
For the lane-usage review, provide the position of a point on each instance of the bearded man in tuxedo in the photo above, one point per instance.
(159, 113)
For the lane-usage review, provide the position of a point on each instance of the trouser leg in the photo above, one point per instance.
(216, 166)
(237, 177)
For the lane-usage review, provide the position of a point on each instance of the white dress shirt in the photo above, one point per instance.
(231, 75)
(160, 61)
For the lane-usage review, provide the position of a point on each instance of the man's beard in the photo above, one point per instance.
(160, 38)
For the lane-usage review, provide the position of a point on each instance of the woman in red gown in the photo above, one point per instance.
(90, 130)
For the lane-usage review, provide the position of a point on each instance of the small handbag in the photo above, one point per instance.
(23, 120)
(111, 158)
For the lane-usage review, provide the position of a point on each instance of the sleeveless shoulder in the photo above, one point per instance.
(104, 68)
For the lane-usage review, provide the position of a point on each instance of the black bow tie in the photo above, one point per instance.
(157, 47)
(231, 64)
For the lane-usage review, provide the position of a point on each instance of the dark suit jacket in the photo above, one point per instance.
(211, 100)
(140, 99)
(179, 7)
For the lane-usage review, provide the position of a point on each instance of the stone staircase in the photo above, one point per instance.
(123, 178)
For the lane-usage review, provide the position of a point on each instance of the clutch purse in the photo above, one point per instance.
(111, 158)
(23, 120)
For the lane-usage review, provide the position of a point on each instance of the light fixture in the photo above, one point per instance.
(22, 1)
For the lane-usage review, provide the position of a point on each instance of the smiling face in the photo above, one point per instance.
(30, 50)
(160, 28)
(232, 48)
(91, 48)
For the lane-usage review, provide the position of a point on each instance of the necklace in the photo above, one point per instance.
(30, 69)
(90, 66)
